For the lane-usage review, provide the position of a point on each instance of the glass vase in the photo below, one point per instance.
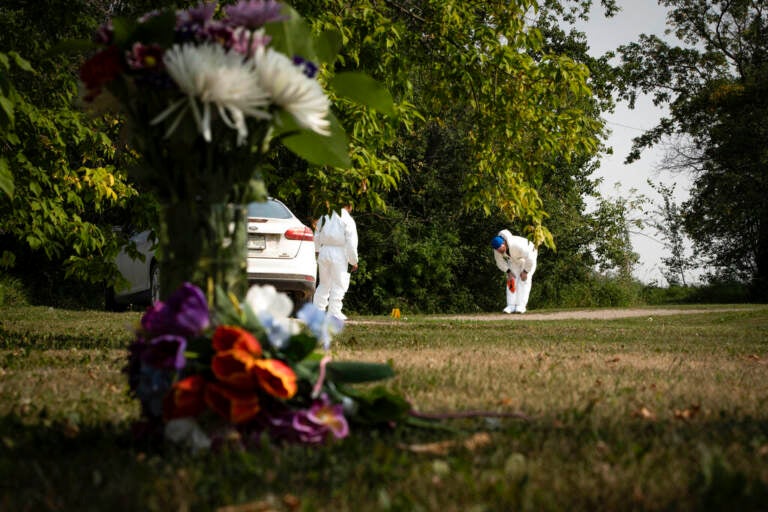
(204, 244)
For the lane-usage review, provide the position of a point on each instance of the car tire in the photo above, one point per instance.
(299, 299)
(110, 303)
(154, 283)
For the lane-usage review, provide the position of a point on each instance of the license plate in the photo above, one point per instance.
(257, 243)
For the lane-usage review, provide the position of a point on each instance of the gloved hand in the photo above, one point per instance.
(511, 282)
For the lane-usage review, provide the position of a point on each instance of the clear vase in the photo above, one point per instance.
(204, 244)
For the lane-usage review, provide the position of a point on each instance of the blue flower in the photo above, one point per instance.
(322, 325)
(278, 331)
(153, 383)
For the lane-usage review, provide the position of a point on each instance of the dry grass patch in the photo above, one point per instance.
(60, 383)
(669, 414)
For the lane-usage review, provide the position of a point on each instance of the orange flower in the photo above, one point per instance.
(234, 405)
(228, 337)
(234, 368)
(185, 398)
(275, 377)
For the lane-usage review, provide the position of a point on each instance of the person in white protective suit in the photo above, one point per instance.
(336, 247)
(516, 257)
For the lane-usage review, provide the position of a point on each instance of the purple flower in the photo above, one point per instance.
(331, 416)
(185, 313)
(254, 14)
(197, 24)
(165, 352)
(149, 15)
(246, 42)
(105, 34)
(217, 32)
(308, 67)
(199, 15)
(312, 426)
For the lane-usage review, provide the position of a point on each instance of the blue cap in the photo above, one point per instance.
(496, 242)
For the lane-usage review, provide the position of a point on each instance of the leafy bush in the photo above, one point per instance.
(595, 290)
(12, 291)
(50, 287)
(712, 293)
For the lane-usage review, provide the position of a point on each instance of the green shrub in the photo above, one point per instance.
(50, 288)
(12, 291)
(595, 290)
(712, 293)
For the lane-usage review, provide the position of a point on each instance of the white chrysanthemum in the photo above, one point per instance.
(293, 91)
(210, 75)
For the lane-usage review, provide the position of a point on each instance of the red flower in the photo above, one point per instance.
(145, 56)
(275, 377)
(101, 69)
(185, 398)
(234, 368)
(233, 405)
(227, 337)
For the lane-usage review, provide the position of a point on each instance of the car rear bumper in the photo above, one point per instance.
(304, 285)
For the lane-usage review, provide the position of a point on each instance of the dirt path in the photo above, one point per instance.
(586, 314)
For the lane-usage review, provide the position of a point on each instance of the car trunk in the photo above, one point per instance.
(266, 240)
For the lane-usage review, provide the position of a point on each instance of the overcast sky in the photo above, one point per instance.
(636, 17)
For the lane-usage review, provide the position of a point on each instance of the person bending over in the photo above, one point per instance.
(516, 257)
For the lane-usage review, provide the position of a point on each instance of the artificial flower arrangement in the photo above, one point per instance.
(247, 370)
(204, 93)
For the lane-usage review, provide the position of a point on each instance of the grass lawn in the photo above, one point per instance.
(651, 413)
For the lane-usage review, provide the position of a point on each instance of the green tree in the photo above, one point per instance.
(484, 119)
(63, 166)
(715, 84)
(593, 245)
(669, 223)
(521, 107)
(487, 108)
(431, 252)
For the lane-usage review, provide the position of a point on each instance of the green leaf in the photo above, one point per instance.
(7, 259)
(6, 178)
(352, 372)
(21, 62)
(251, 321)
(122, 29)
(379, 405)
(6, 111)
(291, 36)
(200, 351)
(157, 29)
(226, 313)
(73, 46)
(299, 347)
(363, 89)
(328, 45)
(319, 149)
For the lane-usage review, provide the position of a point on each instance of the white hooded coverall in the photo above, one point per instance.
(520, 255)
(336, 244)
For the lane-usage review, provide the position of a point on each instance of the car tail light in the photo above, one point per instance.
(303, 233)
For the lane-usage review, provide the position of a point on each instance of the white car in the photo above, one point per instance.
(281, 252)
(143, 276)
